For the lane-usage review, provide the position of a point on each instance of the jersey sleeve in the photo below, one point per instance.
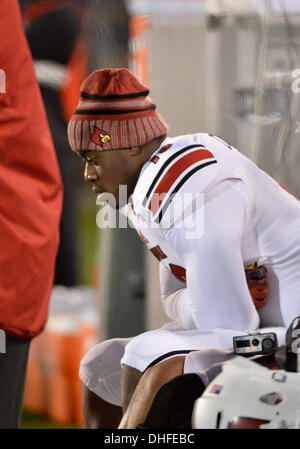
(174, 299)
(216, 288)
(167, 176)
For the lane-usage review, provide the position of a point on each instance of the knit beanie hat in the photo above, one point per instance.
(114, 112)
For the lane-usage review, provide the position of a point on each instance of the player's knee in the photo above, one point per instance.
(92, 363)
(100, 363)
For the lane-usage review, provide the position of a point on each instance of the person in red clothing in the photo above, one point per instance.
(31, 201)
(57, 37)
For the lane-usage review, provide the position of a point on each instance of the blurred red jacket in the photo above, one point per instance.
(30, 187)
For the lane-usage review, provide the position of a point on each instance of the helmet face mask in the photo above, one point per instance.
(247, 395)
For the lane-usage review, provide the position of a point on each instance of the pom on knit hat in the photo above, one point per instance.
(114, 112)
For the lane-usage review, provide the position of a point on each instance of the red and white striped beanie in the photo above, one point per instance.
(114, 112)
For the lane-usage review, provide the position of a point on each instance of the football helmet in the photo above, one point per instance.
(247, 395)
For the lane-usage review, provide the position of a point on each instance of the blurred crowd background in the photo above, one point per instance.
(227, 67)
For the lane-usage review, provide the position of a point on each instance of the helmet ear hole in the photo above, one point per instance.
(218, 420)
(274, 398)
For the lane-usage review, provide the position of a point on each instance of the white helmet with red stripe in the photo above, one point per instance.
(247, 395)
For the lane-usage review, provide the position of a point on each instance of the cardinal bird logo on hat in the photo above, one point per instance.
(100, 137)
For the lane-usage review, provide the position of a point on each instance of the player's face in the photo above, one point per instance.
(105, 171)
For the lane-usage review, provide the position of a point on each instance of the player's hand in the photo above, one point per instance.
(258, 284)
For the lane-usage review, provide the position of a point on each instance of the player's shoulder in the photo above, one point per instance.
(184, 164)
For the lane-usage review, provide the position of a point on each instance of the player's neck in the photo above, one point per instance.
(153, 146)
(145, 154)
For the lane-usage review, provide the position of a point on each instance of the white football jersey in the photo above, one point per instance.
(206, 211)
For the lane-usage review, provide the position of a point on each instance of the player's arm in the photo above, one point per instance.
(174, 300)
(216, 289)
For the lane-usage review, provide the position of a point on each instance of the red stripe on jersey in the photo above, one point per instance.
(158, 252)
(287, 190)
(173, 173)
